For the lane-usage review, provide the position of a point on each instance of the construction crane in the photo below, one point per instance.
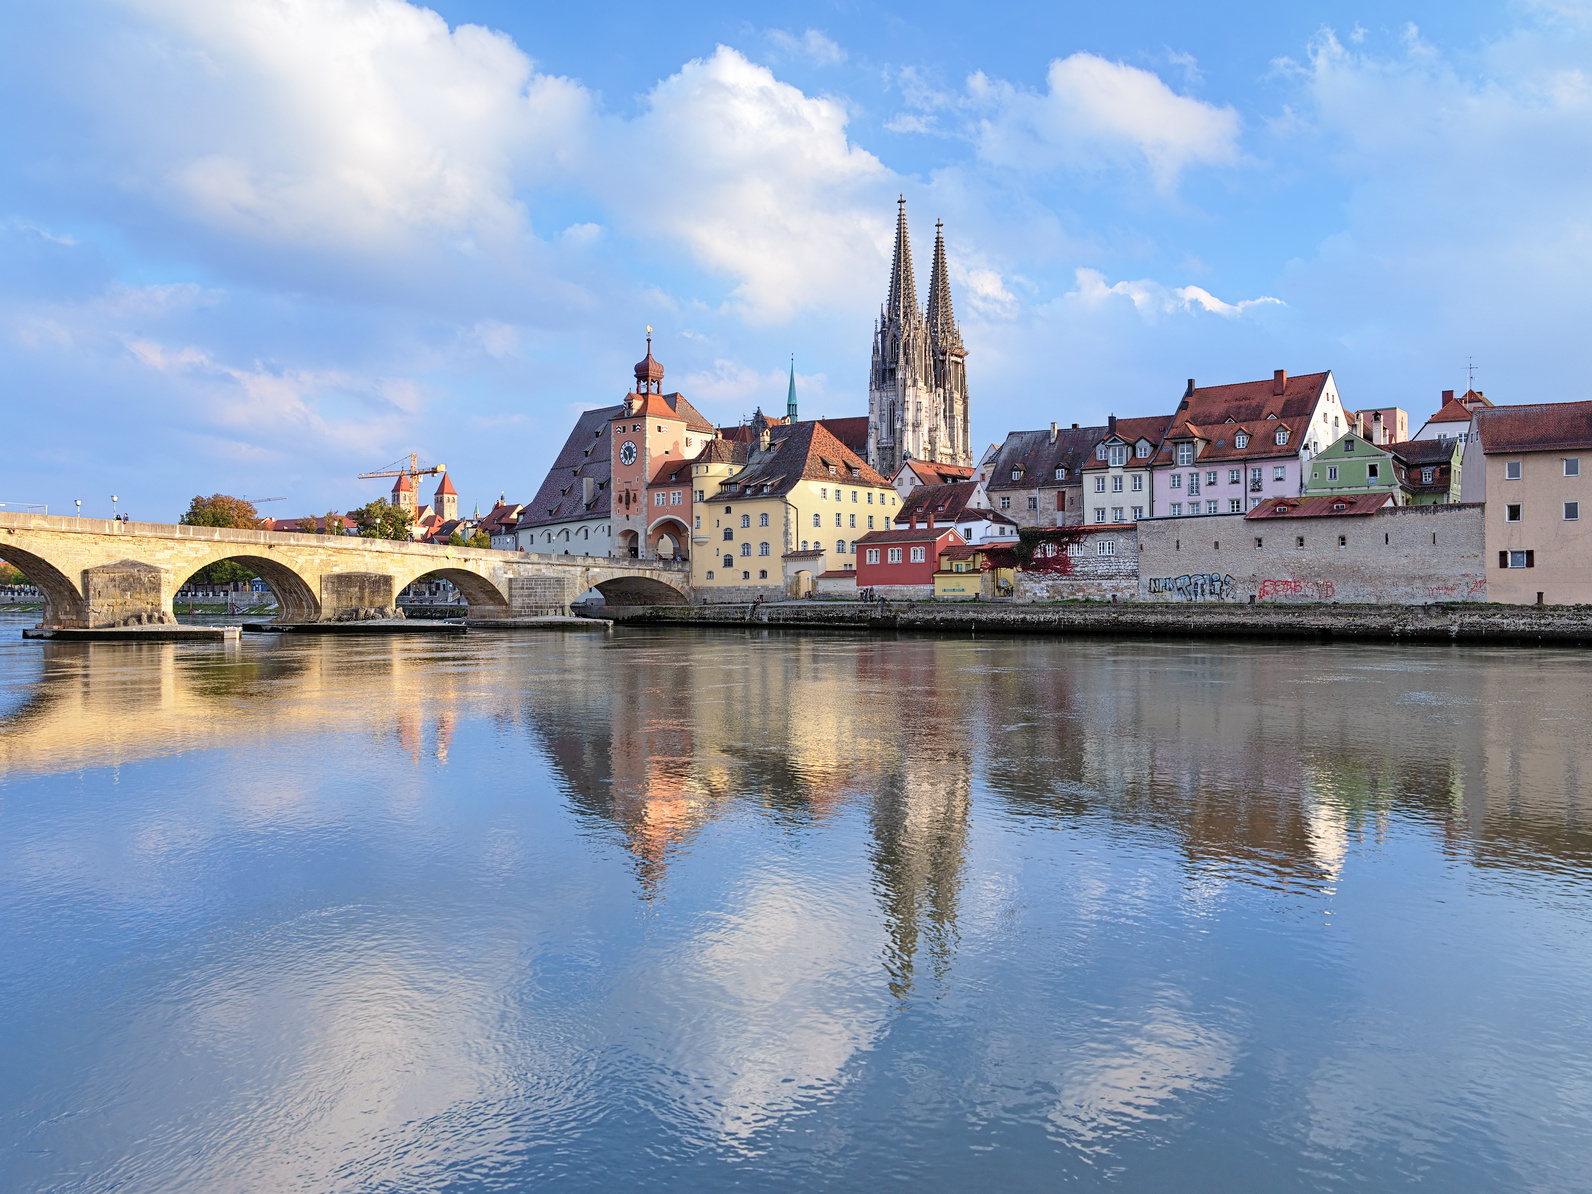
(414, 471)
(259, 501)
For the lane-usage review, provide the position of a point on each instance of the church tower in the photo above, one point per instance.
(917, 388)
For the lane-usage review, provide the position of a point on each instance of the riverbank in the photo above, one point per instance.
(1470, 622)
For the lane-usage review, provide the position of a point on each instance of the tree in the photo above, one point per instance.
(455, 540)
(306, 526)
(1037, 550)
(10, 574)
(221, 510)
(382, 520)
(334, 523)
(480, 539)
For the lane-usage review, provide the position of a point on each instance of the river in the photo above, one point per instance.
(712, 910)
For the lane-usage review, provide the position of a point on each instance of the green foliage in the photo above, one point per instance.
(480, 539)
(10, 574)
(382, 520)
(334, 523)
(222, 572)
(221, 510)
(306, 526)
(455, 540)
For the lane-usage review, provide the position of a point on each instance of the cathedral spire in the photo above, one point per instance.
(941, 318)
(790, 401)
(903, 301)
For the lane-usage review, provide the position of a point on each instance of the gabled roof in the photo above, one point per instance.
(1252, 401)
(723, 451)
(945, 502)
(929, 473)
(588, 450)
(1547, 427)
(1340, 506)
(806, 451)
(1453, 411)
(1221, 440)
(922, 535)
(1036, 458)
(502, 518)
(1131, 431)
(667, 406)
(852, 432)
(1416, 452)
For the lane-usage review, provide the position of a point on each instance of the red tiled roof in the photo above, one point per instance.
(806, 451)
(802, 555)
(921, 535)
(1152, 428)
(667, 406)
(838, 574)
(1547, 427)
(945, 502)
(852, 432)
(723, 451)
(1453, 411)
(445, 487)
(1321, 507)
(1253, 400)
(1221, 442)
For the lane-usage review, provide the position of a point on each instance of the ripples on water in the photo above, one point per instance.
(695, 912)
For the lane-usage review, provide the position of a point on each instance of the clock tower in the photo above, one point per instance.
(654, 434)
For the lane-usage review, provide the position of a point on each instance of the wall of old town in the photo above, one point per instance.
(1411, 555)
(1094, 575)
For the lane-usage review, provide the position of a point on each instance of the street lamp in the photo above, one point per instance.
(79, 504)
(113, 507)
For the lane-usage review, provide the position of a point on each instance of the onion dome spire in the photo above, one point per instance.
(649, 371)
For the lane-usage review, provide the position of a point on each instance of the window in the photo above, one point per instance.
(1373, 471)
(1512, 513)
(853, 520)
(870, 522)
(837, 518)
(746, 576)
(1193, 483)
(1075, 549)
(1348, 442)
(1100, 484)
(701, 495)
(746, 520)
(1117, 455)
(1100, 451)
(1427, 474)
(892, 555)
(762, 549)
(1138, 482)
(1512, 470)
(1235, 505)
(1299, 541)
(1279, 473)
(1017, 474)
(1033, 503)
(853, 495)
(1235, 476)
(840, 546)
(726, 509)
(873, 555)
(1332, 472)
(1572, 467)
(917, 555)
(1116, 483)
(1177, 481)
(698, 522)
(1100, 514)
(729, 561)
(1282, 435)
(1254, 480)
(1343, 541)
(660, 499)
(1210, 506)
(1517, 559)
(804, 545)
(1259, 542)
(1177, 508)
(746, 549)
(1572, 511)
(1185, 454)
(1061, 474)
(1106, 547)
(870, 498)
(674, 497)
(1006, 503)
(762, 574)
(1210, 478)
(1240, 440)
(728, 534)
(1138, 513)
(1116, 513)
(816, 523)
(710, 574)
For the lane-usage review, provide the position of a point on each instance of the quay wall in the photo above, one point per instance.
(1454, 622)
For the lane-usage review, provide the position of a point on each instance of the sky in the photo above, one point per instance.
(260, 246)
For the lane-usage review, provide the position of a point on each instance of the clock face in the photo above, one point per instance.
(627, 453)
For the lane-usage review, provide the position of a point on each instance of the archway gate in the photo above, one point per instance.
(94, 572)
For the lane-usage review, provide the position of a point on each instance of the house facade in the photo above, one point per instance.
(902, 563)
(1352, 464)
(1035, 477)
(1529, 465)
(963, 505)
(652, 436)
(1116, 479)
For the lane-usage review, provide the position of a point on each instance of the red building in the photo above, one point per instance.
(901, 563)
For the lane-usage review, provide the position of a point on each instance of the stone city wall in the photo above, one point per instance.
(1092, 576)
(1405, 555)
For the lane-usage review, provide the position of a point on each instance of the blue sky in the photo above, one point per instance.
(259, 246)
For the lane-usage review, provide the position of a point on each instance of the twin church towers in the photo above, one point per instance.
(917, 389)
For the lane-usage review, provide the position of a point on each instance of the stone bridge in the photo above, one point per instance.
(103, 573)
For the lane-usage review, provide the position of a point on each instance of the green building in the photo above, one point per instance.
(1430, 469)
(1354, 465)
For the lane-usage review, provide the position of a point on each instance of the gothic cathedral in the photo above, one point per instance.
(917, 392)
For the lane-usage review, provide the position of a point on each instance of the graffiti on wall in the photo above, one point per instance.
(1297, 590)
(1200, 586)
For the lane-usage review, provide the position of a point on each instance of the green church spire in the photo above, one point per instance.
(790, 400)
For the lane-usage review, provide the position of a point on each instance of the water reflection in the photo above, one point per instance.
(351, 914)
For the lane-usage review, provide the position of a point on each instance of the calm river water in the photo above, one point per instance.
(706, 911)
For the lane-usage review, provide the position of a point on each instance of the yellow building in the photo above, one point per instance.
(962, 574)
(799, 489)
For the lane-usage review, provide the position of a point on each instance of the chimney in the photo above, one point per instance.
(762, 439)
(1053, 432)
(1279, 381)
(1075, 426)
(1189, 393)
(1448, 396)
(914, 520)
(588, 487)
(1111, 424)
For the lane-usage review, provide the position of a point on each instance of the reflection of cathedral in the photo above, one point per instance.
(917, 388)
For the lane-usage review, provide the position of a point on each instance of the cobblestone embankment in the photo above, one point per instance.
(1515, 624)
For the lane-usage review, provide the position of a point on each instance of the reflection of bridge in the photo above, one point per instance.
(100, 573)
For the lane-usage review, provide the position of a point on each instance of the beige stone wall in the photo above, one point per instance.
(1092, 576)
(1408, 555)
(1561, 550)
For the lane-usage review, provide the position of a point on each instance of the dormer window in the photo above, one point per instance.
(1061, 474)
(1340, 505)
(1240, 440)
(1143, 451)
(1281, 510)
(1185, 454)
(1117, 455)
(1100, 451)
(1282, 435)
(1017, 474)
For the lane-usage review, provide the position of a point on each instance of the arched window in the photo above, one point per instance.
(892, 420)
(746, 520)
(729, 561)
(816, 523)
(762, 520)
(762, 549)
(746, 549)
(840, 546)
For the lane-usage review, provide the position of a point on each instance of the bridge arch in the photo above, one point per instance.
(63, 600)
(638, 590)
(296, 601)
(483, 597)
(667, 539)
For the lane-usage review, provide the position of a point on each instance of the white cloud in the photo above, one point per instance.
(1098, 114)
(1150, 298)
(812, 45)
